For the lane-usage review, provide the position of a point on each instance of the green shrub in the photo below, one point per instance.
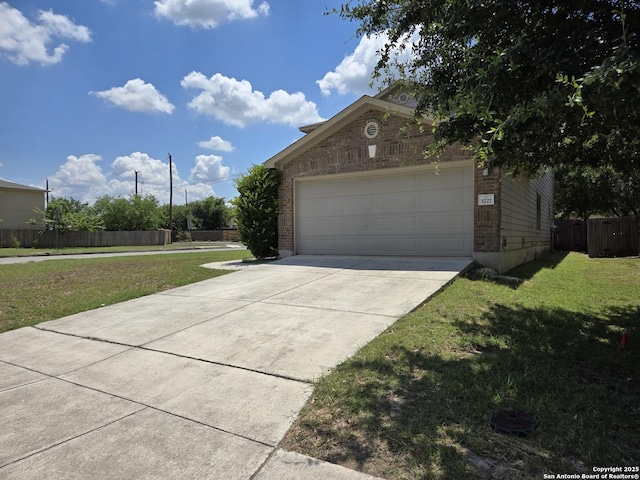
(183, 236)
(257, 210)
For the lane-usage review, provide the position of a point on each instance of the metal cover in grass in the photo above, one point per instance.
(513, 421)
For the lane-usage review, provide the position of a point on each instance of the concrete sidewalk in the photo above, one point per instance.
(79, 256)
(202, 381)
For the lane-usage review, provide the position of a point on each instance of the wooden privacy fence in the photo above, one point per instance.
(47, 239)
(226, 235)
(10, 237)
(614, 237)
(570, 235)
(600, 237)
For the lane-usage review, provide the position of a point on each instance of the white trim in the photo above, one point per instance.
(403, 98)
(390, 171)
(372, 129)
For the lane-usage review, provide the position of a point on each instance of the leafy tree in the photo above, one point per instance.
(233, 213)
(209, 214)
(586, 191)
(136, 213)
(179, 214)
(75, 216)
(65, 206)
(81, 222)
(257, 210)
(525, 83)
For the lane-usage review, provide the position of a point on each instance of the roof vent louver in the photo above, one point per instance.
(371, 129)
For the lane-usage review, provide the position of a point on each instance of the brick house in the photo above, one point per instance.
(359, 184)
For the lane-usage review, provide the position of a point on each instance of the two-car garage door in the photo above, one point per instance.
(401, 212)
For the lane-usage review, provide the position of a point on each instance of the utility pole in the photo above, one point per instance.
(47, 188)
(186, 209)
(170, 195)
(136, 172)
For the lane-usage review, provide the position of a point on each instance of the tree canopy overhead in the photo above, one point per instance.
(584, 191)
(526, 83)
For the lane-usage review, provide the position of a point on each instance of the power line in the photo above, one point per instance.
(214, 181)
(221, 179)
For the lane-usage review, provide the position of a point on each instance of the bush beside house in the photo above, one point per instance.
(257, 210)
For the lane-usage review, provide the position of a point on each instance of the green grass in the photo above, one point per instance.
(35, 292)
(415, 402)
(28, 252)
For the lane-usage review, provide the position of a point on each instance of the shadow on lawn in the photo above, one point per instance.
(528, 270)
(431, 410)
(518, 275)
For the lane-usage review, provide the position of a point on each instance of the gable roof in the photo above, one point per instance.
(16, 186)
(318, 132)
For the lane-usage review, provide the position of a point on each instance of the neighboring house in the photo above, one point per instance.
(18, 204)
(359, 184)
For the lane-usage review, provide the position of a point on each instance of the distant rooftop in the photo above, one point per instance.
(17, 186)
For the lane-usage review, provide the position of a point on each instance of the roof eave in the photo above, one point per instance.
(5, 184)
(327, 128)
(312, 127)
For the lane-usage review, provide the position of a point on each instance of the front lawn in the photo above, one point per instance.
(35, 292)
(415, 402)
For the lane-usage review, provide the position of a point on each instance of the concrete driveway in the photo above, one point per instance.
(202, 381)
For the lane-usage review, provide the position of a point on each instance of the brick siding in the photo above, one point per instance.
(346, 151)
(486, 230)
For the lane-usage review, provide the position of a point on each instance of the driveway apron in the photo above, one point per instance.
(201, 381)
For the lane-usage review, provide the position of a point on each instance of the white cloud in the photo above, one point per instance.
(354, 73)
(80, 178)
(152, 171)
(215, 143)
(209, 168)
(24, 42)
(137, 96)
(83, 179)
(236, 103)
(153, 178)
(208, 13)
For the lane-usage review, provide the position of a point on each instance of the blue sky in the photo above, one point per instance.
(92, 91)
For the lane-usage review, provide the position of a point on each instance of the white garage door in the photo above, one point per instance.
(417, 213)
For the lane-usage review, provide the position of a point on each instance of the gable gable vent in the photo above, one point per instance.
(371, 129)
